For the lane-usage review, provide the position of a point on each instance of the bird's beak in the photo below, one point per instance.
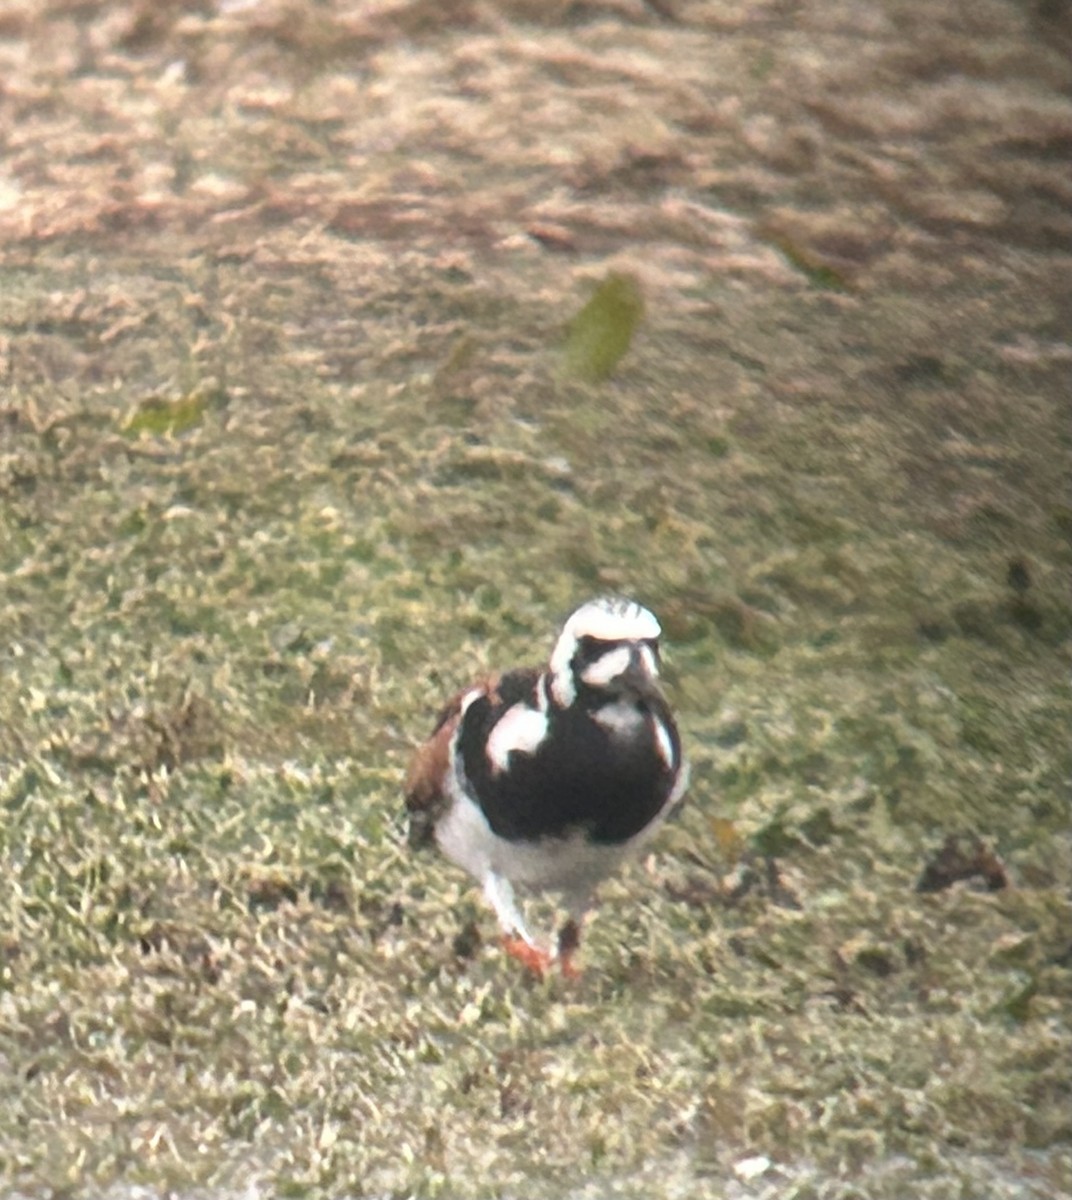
(637, 677)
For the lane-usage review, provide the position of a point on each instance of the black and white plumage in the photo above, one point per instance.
(549, 778)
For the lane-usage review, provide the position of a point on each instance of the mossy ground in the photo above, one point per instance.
(288, 450)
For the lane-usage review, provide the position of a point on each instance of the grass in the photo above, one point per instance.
(276, 475)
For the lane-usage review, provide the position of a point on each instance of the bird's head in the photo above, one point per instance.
(608, 646)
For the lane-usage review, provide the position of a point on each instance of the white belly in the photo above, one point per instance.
(554, 864)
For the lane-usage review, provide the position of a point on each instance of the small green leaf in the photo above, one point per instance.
(820, 273)
(600, 334)
(158, 416)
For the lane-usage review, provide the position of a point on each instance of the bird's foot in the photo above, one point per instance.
(531, 957)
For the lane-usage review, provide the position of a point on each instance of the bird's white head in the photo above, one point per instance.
(609, 644)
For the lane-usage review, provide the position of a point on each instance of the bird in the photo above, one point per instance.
(548, 778)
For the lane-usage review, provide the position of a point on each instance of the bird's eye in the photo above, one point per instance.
(653, 645)
(589, 649)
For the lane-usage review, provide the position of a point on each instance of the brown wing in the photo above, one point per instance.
(430, 765)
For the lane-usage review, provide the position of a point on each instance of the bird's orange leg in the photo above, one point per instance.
(531, 957)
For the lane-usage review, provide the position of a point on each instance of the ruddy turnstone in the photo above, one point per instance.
(549, 778)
